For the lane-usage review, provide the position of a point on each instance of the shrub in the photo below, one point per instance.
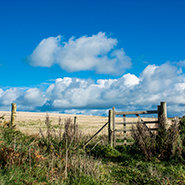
(182, 129)
(144, 140)
(168, 140)
(166, 144)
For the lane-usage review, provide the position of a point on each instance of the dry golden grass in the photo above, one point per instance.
(29, 122)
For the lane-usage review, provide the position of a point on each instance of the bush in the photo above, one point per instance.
(182, 129)
(165, 145)
(144, 140)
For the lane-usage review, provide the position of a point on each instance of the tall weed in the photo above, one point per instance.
(164, 145)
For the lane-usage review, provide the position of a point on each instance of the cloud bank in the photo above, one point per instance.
(97, 53)
(129, 92)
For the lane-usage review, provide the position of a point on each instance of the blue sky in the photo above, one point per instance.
(86, 56)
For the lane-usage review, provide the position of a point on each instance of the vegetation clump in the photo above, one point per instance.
(54, 157)
(164, 145)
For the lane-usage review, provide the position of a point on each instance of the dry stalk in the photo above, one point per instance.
(67, 152)
(60, 128)
(66, 159)
(97, 144)
(41, 133)
(54, 133)
(34, 140)
(30, 156)
(143, 139)
(47, 122)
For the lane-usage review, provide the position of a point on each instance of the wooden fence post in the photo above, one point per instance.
(162, 113)
(110, 128)
(159, 114)
(163, 110)
(124, 127)
(114, 133)
(75, 118)
(75, 126)
(13, 114)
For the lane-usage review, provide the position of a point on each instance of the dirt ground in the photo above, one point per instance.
(30, 122)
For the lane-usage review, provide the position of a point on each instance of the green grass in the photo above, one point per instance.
(128, 166)
(33, 160)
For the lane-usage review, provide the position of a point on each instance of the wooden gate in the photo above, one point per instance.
(112, 130)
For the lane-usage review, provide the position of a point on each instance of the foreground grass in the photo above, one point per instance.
(34, 160)
(127, 166)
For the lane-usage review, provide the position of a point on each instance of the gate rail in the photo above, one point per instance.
(112, 123)
(161, 112)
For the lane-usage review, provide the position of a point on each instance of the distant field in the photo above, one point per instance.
(29, 122)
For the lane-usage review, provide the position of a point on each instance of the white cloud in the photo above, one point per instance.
(45, 53)
(26, 98)
(180, 63)
(9, 96)
(129, 92)
(130, 80)
(1, 92)
(155, 84)
(33, 97)
(97, 53)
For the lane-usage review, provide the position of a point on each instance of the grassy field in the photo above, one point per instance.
(29, 122)
(60, 158)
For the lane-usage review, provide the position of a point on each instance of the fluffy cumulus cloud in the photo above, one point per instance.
(8, 96)
(129, 92)
(27, 99)
(31, 98)
(97, 52)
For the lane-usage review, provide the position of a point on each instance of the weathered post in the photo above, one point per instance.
(162, 117)
(75, 128)
(124, 127)
(110, 124)
(13, 115)
(162, 111)
(114, 133)
(75, 118)
(159, 113)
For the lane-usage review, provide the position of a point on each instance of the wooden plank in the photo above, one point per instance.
(153, 128)
(137, 112)
(151, 122)
(128, 130)
(122, 130)
(128, 143)
(132, 123)
(122, 137)
(96, 134)
(128, 123)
